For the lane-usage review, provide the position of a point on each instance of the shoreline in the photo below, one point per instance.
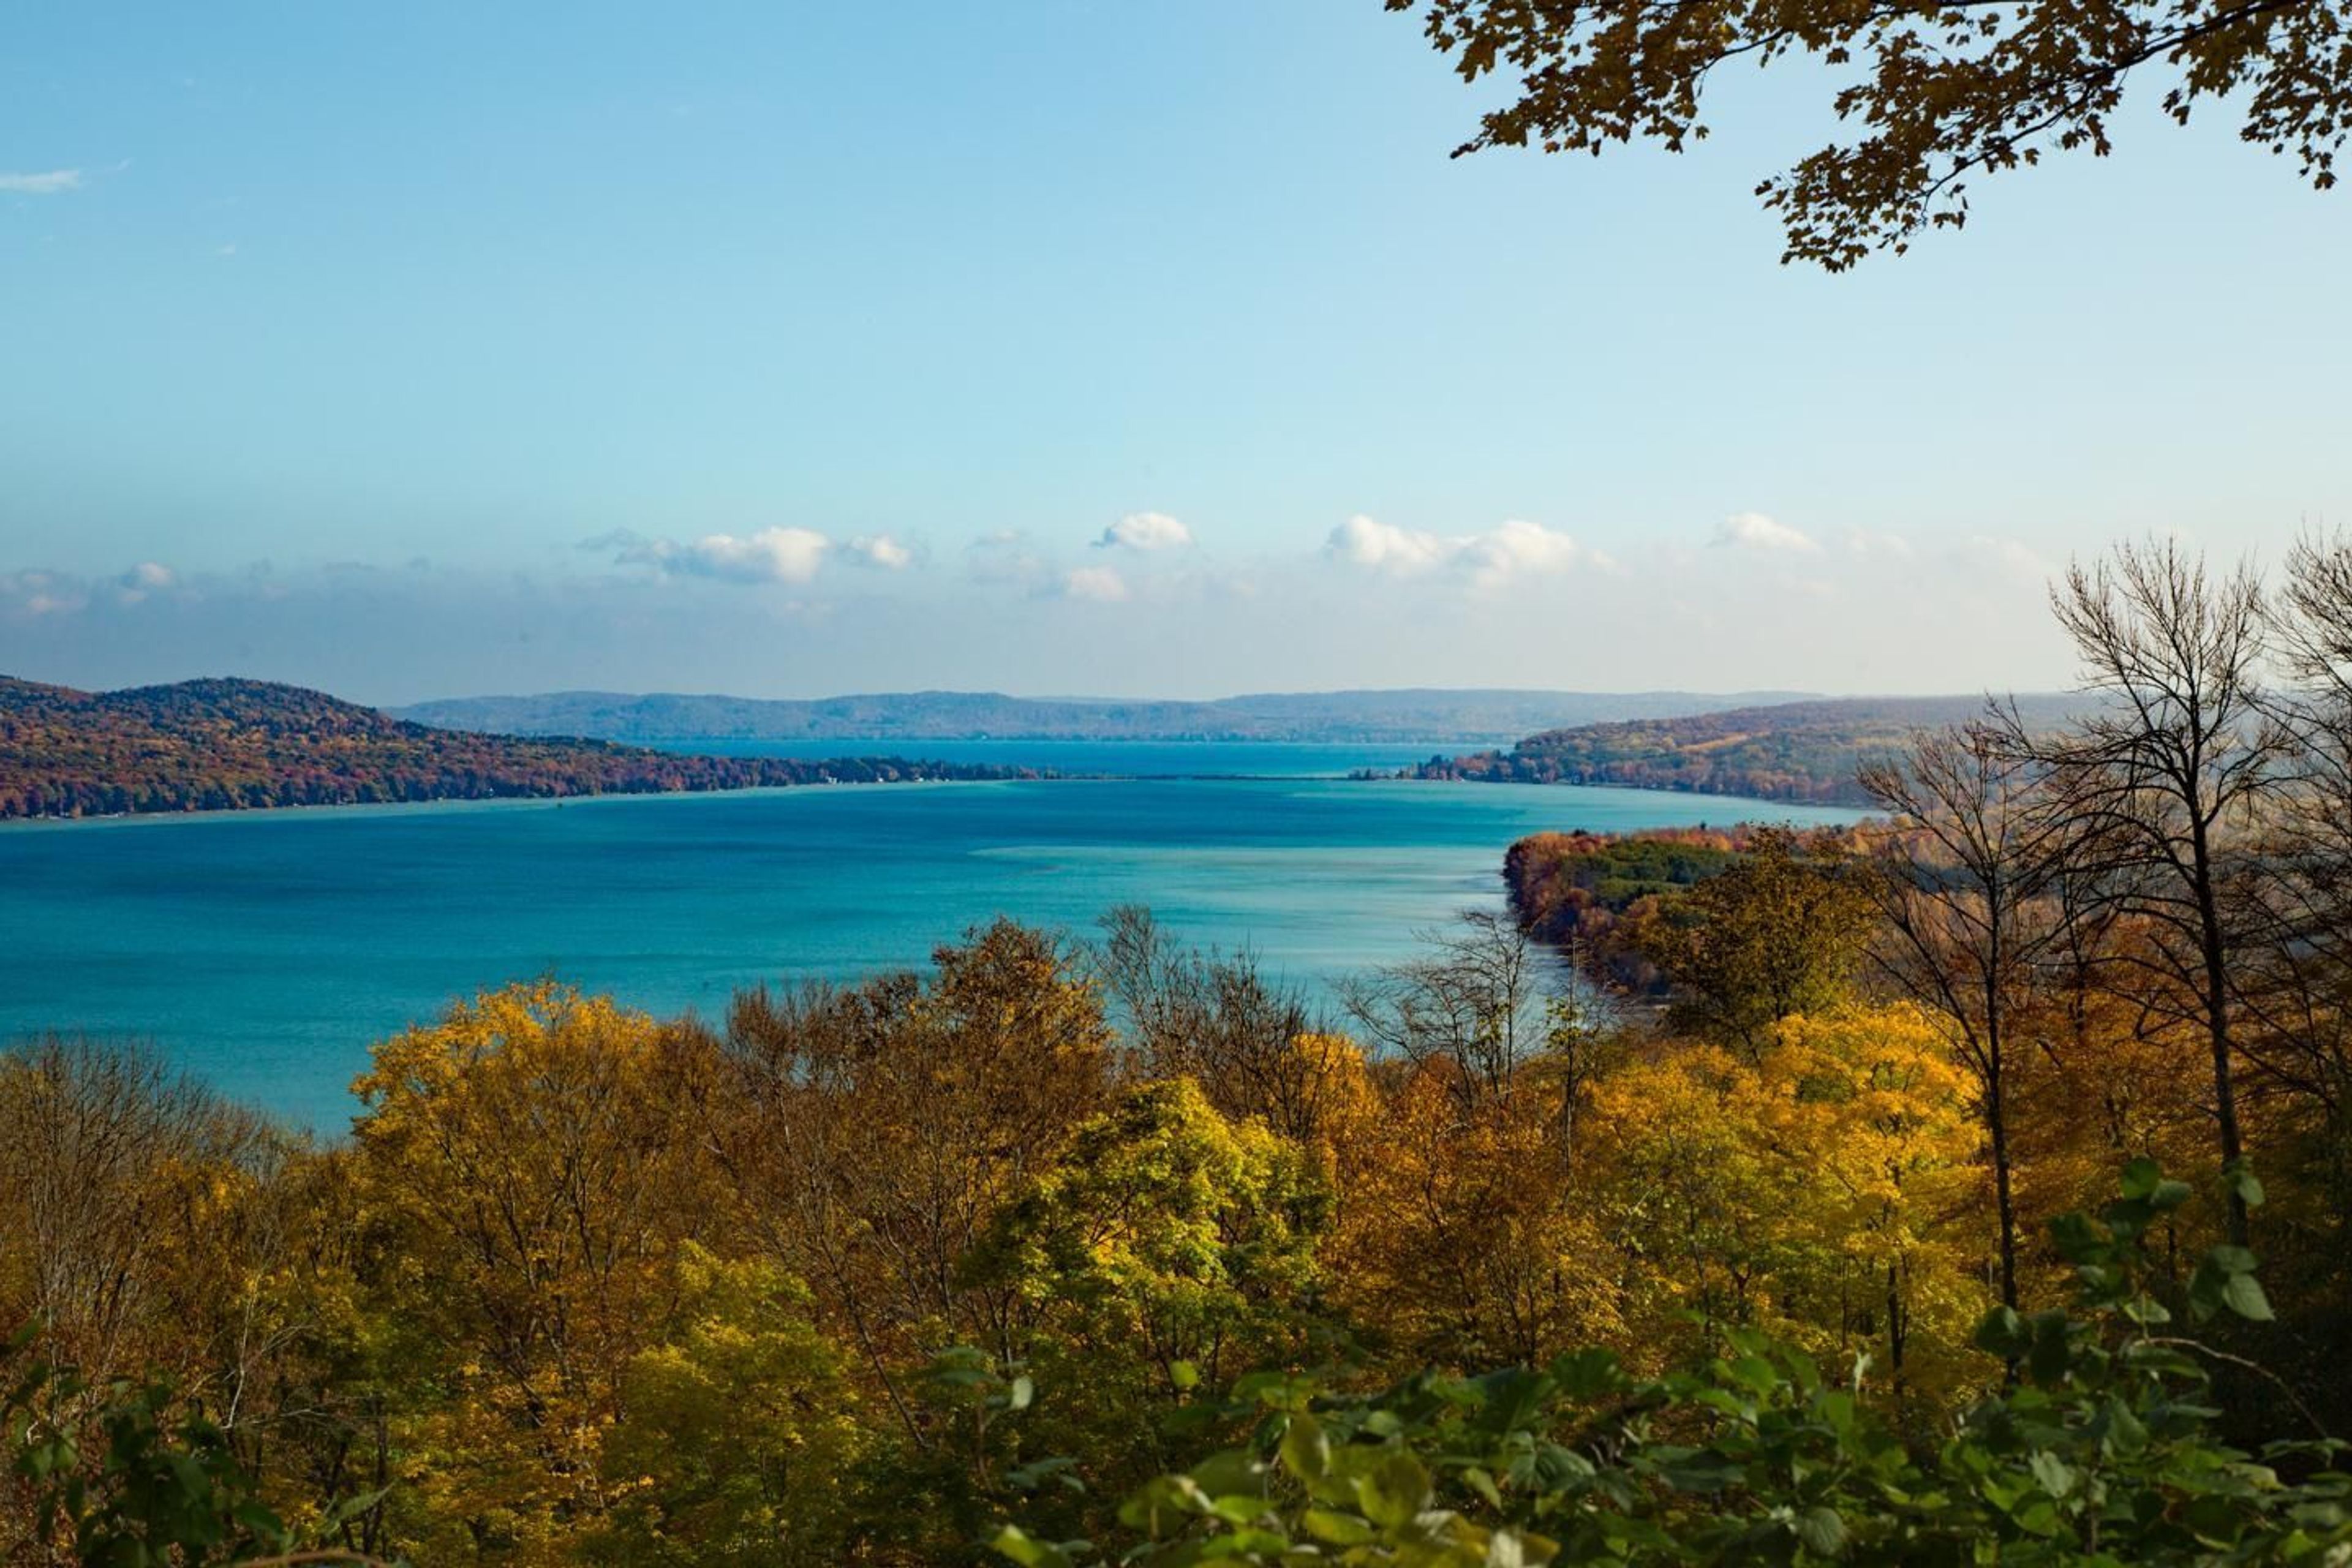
(1757, 808)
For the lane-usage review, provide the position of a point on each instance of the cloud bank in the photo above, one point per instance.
(1491, 560)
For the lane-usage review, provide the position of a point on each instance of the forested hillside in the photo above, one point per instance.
(209, 745)
(1800, 751)
(1324, 715)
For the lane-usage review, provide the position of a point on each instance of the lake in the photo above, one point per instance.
(266, 951)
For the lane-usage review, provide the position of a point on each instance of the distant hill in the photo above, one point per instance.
(1803, 751)
(207, 745)
(1385, 717)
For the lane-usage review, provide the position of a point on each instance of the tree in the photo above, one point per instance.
(1166, 1240)
(535, 1162)
(870, 1135)
(1460, 1240)
(2312, 620)
(1819, 1189)
(1750, 1451)
(1779, 933)
(739, 1432)
(1944, 93)
(1217, 1019)
(1966, 907)
(114, 1165)
(2164, 784)
(1475, 1001)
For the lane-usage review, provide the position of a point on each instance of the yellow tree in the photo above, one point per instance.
(1826, 1190)
(1459, 1240)
(534, 1167)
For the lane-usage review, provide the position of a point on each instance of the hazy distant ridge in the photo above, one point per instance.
(1387, 717)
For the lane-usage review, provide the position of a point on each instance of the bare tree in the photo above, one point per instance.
(1473, 1000)
(1965, 893)
(1253, 1043)
(2165, 783)
(104, 1151)
(2307, 1007)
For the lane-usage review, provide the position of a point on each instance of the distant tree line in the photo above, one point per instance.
(217, 745)
(1804, 753)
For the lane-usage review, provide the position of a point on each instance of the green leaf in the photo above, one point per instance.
(2243, 1295)
(1821, 1531)
(2003, 1333)
(2241, 1179)
(1703, 1471)
(1306, 1451)
(1393, 1489)
(1013, 1542)
(2056, 1477)
(1338, 1529)
(1231, 1472)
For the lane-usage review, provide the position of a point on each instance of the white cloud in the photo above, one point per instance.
(1385, 547)
(1754, 531)
(42, 592)
(880, 549)
(48, 185)
(147, 577)
(1507, 551)
(1146, 531)
(1097, 582)
(1516, 548)
(770, 555)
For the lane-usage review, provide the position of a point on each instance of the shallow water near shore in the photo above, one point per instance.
(267, 950)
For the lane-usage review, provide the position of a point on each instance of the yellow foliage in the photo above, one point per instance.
(1456, 1242)
(531, 1156)
(1828, 1192)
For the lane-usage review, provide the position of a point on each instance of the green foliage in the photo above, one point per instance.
(130, 1476)
(2102, 1453)
(1166, 1232)
(1778, 933)
(737, 1431)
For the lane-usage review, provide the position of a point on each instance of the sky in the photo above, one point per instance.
(1059, 348)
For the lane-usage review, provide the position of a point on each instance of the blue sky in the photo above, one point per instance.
(1057, 347)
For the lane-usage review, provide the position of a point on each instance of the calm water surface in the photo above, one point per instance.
(266, 951)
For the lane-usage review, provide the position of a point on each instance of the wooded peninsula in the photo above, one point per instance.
(219, 745)
(1807, 752)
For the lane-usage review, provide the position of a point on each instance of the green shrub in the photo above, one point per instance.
(2099, 1450)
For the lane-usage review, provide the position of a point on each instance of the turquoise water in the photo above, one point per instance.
(1132, 759)
(266, 950)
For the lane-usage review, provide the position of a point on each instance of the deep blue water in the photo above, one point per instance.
(266, 950)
